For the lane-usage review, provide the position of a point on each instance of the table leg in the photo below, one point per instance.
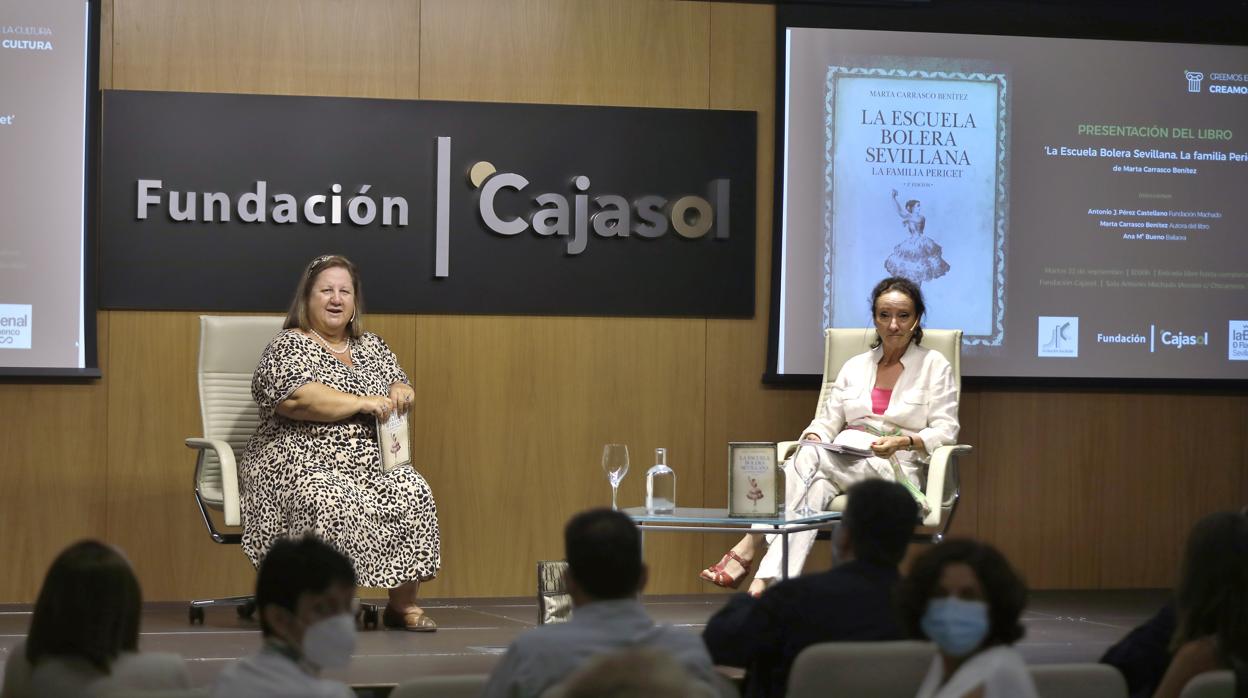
(784, 554)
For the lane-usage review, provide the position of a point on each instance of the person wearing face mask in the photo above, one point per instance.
(852, 602)
(899, 399)
(305, 598)
(964, 596)
(314, 463)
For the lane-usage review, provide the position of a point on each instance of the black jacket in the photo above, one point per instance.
(852, 602)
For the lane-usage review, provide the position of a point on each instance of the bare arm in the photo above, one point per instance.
(905, 215)
(1195, 657)
(317, 402)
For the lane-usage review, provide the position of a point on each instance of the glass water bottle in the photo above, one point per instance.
(660, 485)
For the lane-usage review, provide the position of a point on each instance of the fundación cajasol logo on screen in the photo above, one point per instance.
(1237, 341)
(1058, 336)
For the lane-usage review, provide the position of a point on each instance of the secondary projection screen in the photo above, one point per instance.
(47, 93)
(1076, 207)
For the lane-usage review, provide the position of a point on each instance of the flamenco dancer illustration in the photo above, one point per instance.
(917, 257)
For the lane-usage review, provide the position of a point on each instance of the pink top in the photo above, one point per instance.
(879, 400)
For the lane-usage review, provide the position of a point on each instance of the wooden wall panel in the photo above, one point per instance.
(966, 518)
(551, 385)
(53, 489)
(738, 406)
(153, 407)
(106, 45)
(1157, 489)
(512, 417)
(309, 47)
(638, 53)
(1085, 489)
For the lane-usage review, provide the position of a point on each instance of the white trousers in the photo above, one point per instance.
(836, 473)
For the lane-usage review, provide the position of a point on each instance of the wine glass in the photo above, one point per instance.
(615, 465)
(805, 510)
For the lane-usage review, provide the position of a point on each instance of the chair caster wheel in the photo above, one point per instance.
(195, 615)
(247, 610)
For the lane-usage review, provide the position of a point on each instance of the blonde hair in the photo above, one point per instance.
(297, 316)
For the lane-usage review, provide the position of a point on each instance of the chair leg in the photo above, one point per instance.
(245, 607)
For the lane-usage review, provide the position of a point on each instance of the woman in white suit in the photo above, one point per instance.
(899, 400)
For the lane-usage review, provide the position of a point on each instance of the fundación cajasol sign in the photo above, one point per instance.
(216, 202)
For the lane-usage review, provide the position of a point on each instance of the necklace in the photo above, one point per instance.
(345, 347)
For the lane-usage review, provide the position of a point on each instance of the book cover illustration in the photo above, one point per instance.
(394, 442)
(753, 483)
(915, 184)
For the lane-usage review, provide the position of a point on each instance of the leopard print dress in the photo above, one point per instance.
(326, 478)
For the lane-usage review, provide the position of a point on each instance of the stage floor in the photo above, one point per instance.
(1062, 626)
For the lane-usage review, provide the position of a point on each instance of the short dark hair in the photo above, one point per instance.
(603, 547)
(88, 607)
(1004, 590)
(880, 518)
(902, 285)
(297, 566)
(1212, 595)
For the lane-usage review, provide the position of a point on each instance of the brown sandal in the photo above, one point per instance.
(411, 621)
(717, 575)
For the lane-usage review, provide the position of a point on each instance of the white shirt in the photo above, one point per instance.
(269, 673)
(1000, 670)
(544, 656)
(924, 403)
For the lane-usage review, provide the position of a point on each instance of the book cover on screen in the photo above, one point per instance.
(916, 168)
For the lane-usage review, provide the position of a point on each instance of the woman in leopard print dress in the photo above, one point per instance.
(314, 464)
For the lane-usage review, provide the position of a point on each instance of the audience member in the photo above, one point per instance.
(965, 597)
(631, 673)
(84, 633)
(850, 602)
(1211, 603)
(305, 596)
(1144, 654)
(605, 574)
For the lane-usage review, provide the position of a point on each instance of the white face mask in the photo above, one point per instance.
(329, 642)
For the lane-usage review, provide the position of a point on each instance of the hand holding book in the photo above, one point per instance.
(393, 441)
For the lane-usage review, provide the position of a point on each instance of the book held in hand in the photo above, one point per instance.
(392, 438)
(850, 442)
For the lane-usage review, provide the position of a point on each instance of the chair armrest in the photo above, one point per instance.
(937, 468)
(784, 449)
(229, 476)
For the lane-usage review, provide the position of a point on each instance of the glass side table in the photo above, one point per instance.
(700, 520)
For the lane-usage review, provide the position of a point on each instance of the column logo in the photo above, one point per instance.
(1193, 80)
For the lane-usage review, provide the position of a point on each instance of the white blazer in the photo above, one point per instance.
(924, 403)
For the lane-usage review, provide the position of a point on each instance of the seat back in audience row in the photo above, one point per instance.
(1211, 684)
(888, 669)
(881, 670)
(461, 686)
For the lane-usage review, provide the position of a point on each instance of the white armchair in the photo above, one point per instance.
(941, 483)
(229, 349)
